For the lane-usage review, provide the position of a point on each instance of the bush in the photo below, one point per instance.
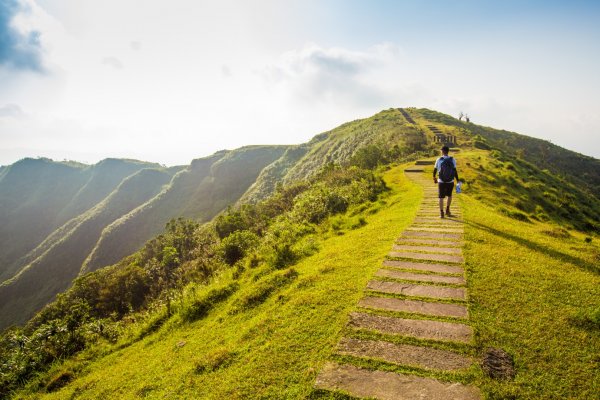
(368, 157)
(235, 246)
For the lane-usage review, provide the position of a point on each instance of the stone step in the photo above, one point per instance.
(417, 266)
(441, 230)
(444, 243)
(416, 328)
(430, 249)
(424, 162)
(414, 170)
(438, 220)
(404, 354)
(360, 382)
(427, 256)
(414, 306)
(411, 276)
(434, 212)
(431, 235)
(411, 289)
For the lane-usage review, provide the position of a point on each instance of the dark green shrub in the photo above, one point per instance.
(235, 246)
(368, 157)
(229, 222)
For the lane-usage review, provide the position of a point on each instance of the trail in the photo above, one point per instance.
(414, 303)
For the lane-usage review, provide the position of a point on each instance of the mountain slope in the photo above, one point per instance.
(531, 294)
(61, 256)
(265, 289)
(581, 170)
(38, 196)
(200, 192)
(136, 211)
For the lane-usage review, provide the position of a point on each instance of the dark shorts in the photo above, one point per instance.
(445, 189)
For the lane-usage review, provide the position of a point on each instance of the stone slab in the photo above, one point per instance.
(438, 220)
(411, 276)
(414, 306)
(436, 215)
(444, 243)
(382, 385)
(430, 249)
(417, 266)
(435, 229)
(432, 235)
(410, 289)
(404, 354)
(417, 328)
(441, 224)
(427, 256)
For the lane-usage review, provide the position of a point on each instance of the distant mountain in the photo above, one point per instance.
(61, 220)
(38, 196)
(105, 225)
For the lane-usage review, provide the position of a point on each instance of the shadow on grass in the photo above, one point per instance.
(567, 258)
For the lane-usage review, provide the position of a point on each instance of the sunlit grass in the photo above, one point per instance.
(273, 349)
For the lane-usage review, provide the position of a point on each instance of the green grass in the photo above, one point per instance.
(273, 349)
(534, 291)
(528, 293)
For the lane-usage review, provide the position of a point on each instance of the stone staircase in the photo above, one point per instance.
(407, 116)
(413, 318)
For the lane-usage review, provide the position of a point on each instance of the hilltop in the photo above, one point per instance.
(254, 302)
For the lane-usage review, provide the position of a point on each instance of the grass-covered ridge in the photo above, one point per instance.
(251, 304)
(534, 280)
(245, 258)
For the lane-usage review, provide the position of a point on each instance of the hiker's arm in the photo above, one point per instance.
(434, 172)
(456, 175)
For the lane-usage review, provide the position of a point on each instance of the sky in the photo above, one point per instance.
(170, 81)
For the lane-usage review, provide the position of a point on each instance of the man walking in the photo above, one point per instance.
(446, 166)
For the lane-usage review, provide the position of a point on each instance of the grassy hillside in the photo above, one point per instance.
(38, 196)
(269, 302)
(583, 171)
(251, 304)
(135, 212)
(264, 332)
(32, 193)
(387, 136)
(201, 191)
(57, 261)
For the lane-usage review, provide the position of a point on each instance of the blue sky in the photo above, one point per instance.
(173, 81)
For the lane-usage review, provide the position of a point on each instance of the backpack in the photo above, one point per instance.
(447, 170)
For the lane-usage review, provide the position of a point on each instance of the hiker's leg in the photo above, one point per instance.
(449, 202)
(441, 204)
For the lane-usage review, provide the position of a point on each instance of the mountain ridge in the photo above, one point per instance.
(252, 173)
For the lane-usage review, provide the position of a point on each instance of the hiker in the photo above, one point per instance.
(446, 166)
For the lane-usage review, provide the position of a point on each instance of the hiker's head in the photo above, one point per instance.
(445, 150)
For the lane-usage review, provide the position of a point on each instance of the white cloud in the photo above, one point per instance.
(12, 111)
(113, 62)
(336, 76)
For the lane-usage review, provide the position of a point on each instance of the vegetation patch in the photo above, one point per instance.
(216, 359)
(199, 307)
(260, 292)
